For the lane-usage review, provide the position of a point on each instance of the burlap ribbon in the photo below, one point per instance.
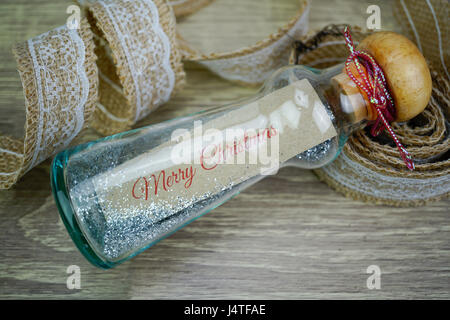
(59, 80)
(138, 59)
(369, 168)
(183, 8)
(139, 68)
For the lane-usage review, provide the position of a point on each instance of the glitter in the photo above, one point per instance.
(122, 232)
(316, 153)
(102, 177)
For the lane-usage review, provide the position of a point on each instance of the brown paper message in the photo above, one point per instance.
(218, 154)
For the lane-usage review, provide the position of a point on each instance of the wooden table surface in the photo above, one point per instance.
(288, 237)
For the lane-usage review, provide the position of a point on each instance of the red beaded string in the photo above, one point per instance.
(374, 85)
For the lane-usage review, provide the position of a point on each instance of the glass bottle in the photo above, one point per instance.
(87, 179)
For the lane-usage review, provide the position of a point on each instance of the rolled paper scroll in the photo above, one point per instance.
(138, 74)
(59, 80)
(369, 169)
(139, 69)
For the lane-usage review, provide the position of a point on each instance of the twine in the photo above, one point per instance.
(374, 85)
(426, 136)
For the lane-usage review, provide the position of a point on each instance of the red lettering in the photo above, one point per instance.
(162, 180)
(169, 181)
(190, 177)
(203, 158)
(208, 161)
(143, 189)
(156, 181)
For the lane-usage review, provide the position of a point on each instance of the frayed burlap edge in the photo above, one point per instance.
(426, 142)
(355, 195)
(117, 96)
(91, 72)
(16, 162)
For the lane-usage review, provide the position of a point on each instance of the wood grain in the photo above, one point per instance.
(408, 76)
(288, 237)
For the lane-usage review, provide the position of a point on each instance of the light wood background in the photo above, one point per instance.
(288, 237)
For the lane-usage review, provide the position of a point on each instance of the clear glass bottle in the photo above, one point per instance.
(109, 237)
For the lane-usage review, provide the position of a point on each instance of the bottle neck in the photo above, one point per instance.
(350, 105)
(353, 104)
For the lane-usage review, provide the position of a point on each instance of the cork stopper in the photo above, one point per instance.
(354, 102)
(406, 71)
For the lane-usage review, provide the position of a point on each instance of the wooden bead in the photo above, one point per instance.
(406, 71)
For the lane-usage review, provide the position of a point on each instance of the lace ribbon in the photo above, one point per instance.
(252, 65)
(140, 65)
(138, 69)
(59, 79)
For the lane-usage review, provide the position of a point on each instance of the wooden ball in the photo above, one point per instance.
(406, 71)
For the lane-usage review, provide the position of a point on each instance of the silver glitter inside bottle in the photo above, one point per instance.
(110, 225)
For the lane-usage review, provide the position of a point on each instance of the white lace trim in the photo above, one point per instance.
(62, 115)
(109, 114)
(357, 177)
(148, 60)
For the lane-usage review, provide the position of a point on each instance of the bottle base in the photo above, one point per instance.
(67, 213)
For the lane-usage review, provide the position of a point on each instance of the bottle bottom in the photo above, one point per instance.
(68, 215)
